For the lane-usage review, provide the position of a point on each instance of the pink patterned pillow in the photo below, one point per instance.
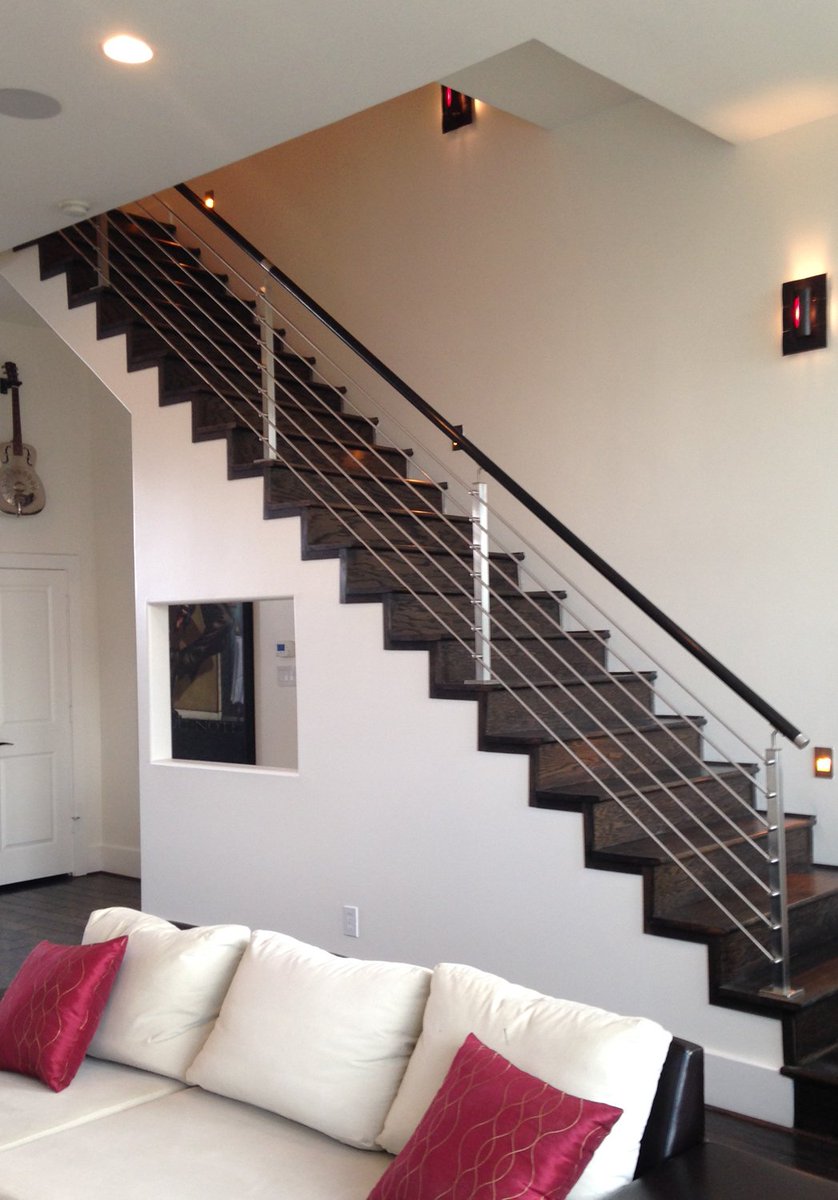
(52, 1007)
(493, 1132)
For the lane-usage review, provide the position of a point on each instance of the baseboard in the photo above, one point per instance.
(119, 860)
(749, 1089)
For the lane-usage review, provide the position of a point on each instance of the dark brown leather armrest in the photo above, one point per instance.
(676, 1119)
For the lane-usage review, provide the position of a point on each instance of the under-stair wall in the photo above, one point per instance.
(392, 808)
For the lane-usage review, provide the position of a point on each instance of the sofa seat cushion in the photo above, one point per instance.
(320, 1039)
(588, 1052)
(28, 1111)
(191, 1146)
(169, 989)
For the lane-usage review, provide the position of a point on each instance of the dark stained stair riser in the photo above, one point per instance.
(371, 527)
(611, 757)
(230, 321)
(287, 487)
(554, 656)
(673, 889)
(367, 512)
(214, 420)
(702, 798)
(572, 707)
(814, 1028)
(410, 625)
(373, 571)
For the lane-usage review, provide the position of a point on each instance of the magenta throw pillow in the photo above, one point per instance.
(52, 1007)
(493, 1132)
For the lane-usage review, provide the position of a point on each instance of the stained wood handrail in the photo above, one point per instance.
(455, 434)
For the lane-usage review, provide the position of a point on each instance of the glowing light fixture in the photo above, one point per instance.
(209, 199)
(823, 762)
(124, 48)
(804, 314)
(457, 109)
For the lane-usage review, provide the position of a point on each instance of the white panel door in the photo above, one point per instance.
(36, 769)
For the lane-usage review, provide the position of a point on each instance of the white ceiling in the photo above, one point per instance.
(230, 79)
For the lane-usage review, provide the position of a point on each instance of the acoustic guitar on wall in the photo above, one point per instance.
(21, 491)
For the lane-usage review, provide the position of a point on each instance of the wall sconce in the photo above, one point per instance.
(457, 109)
(804, 314)
(209, 199)
(823, 762)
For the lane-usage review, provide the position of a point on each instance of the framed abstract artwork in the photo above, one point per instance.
(211, 673)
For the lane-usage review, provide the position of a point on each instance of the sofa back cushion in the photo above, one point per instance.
(317, 1038)
(168, 992)
(590, 1053)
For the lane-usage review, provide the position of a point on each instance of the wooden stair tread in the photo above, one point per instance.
(602, 679)
(373, 510)
(558, 635)
(643, 677)
(675, 780)
(295, 507)
(803, 887)
(348, 445)
(514, 740)
(821, 1068)
(645, 849)
(424, 484)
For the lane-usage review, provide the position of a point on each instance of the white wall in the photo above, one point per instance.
(114, 548)
(82, 439)
(599, 306)
(275, 682)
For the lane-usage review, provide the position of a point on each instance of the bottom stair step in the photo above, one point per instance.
(816, 1093)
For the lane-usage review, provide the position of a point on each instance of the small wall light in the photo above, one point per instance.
(457, 109)
(209, 199)
(823, 762)
(804, 314)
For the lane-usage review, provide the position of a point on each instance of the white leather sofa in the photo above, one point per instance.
(237, 1065)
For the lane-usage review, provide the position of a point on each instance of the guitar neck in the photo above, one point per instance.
(17, 435)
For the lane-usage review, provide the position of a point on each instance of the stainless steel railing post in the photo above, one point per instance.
(777, 875)
(103, 251)
(268, 369)
(482, 588)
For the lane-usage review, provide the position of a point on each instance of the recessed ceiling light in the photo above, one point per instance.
(75, 208)
(127, 49)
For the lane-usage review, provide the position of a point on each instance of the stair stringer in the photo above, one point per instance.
(472, 873)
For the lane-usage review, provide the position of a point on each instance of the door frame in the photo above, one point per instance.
(69, 563)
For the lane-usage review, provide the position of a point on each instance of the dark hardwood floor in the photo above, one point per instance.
(57, 910)
(805, 1151)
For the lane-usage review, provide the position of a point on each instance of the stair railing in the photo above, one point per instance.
(284, 410)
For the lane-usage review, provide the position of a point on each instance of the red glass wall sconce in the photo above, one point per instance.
(457, 109)
(804, 314)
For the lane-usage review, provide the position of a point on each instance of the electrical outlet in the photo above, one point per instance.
(350, 920)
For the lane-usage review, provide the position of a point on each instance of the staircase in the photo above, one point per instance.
(592, 736)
